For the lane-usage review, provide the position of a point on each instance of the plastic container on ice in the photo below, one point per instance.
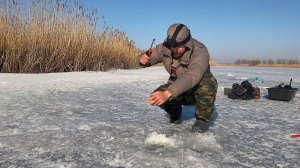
(281, 92)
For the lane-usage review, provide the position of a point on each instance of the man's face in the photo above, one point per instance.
(178, 51)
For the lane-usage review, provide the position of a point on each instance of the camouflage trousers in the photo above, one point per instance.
(203, 96)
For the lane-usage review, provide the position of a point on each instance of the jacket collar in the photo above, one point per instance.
(185, 59)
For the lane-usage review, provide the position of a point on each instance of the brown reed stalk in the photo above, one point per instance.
(59, 36)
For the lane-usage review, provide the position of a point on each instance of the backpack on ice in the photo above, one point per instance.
(244, 91)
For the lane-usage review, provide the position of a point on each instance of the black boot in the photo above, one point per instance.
(175, 118)
(200, 125)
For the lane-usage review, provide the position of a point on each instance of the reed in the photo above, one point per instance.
(59, 36)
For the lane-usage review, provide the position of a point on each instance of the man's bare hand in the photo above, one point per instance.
(159, 97)
(144, 59)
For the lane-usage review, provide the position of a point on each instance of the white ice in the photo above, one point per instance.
(103, 119)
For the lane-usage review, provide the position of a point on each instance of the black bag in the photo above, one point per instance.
(238, 89)
(244, 91)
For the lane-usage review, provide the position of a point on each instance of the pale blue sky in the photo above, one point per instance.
(231, 29)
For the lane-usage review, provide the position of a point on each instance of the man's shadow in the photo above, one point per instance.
(188, 113)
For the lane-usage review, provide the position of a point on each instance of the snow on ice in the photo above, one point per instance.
(102, 119)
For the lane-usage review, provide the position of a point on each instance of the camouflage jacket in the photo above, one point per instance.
(192, 65)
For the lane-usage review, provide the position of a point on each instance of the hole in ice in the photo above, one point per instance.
(154, 141)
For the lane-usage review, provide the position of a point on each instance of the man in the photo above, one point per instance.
(191, 81)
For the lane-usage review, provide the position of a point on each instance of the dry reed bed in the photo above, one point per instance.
(59, 36)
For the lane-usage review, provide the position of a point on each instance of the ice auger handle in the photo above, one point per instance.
(149, 52)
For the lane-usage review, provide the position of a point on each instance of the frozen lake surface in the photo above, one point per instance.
(102, 119)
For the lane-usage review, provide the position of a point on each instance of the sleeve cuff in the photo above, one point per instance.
(173, 93)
